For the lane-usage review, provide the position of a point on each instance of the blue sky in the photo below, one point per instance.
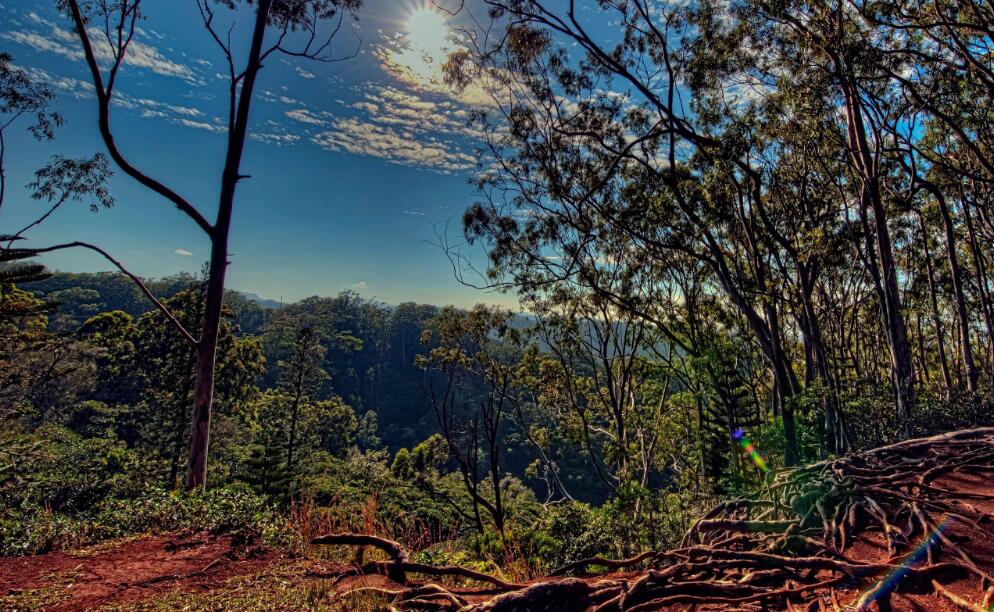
(353, 164)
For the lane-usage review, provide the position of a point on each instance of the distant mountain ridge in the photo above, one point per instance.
(264, 302)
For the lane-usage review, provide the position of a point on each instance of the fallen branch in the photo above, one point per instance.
(400, 563)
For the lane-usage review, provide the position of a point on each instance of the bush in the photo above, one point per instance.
(235, 511)
(568, 532)
(68, 473)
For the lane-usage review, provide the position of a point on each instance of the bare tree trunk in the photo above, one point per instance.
(940, 339)
(203, 390)
(966, 351)
(885, 275)
(196, 477)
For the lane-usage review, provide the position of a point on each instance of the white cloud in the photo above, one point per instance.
(74, 87)
(146, 107)
(183, 252)
(274, 138)
(42, 43)
(421, 69)
(164, 108)
(185, 110)
(351, 135)
(202, 125)
(305, 116)
(416, 112)
(61, 41)
(360, 285)
(305, 74)
(403, 127)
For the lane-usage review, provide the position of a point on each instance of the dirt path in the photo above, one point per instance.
(128, 571)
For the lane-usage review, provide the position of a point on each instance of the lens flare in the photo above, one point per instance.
(889, 582)
(750, 450)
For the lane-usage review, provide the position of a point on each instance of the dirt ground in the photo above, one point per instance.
(130, 573)
(130, 570)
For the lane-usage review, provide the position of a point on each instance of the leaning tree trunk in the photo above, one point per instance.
(902, 369)
(203, 394)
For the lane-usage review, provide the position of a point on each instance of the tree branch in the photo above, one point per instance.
(137, 280)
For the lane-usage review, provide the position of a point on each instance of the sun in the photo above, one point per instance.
(427, 30)
(418, 51)
(427, 36)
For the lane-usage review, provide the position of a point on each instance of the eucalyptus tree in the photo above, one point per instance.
(595, 380)
(166, 367)
(795, 150)
(583, 171)
(23, 97)
(106, 29)
(300, 376)
(472, 387)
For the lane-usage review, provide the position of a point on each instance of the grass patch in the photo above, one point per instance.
(281, 587)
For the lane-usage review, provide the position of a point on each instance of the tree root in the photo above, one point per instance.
(613, 564)
(786, 549)
(956, 599)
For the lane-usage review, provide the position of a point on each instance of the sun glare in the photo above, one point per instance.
(426, 28)
(427, 43)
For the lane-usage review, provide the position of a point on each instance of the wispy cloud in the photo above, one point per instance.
(275, 138)
(74, 87)
(402, 127)
(50, 38)
(183, 252)
(413, 111)
(186, 111)
(305, 116)
(355, 136)
(215, 127)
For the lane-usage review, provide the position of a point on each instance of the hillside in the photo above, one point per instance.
(909, 526)
(750, 242)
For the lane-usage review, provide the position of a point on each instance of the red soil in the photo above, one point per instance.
(130, 571)
(133, 570)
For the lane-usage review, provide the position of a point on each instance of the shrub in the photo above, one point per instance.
(234, 511)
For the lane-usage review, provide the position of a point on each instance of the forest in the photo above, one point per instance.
(752, 367)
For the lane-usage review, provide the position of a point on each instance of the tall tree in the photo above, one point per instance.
(296, 29)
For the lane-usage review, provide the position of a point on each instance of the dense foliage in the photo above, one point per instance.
(755, 221)
(431, 425)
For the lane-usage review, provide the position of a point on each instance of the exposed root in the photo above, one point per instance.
(786, 549)
(613, 564)
(956, 599)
